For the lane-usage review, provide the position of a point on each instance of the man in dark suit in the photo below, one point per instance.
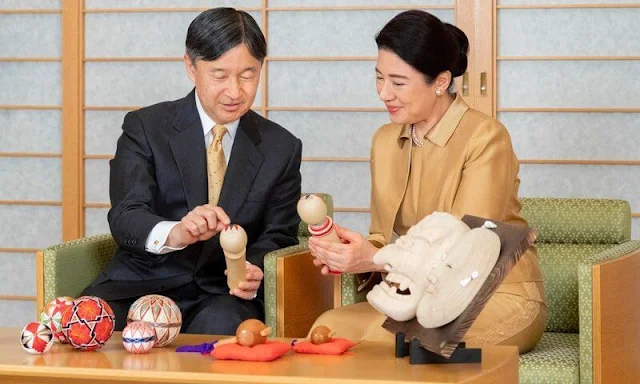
(184, 169)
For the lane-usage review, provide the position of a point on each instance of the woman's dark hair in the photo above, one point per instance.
(217, 30)
(426, 43)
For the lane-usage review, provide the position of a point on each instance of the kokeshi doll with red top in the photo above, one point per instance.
(313, 211)
(233, 240)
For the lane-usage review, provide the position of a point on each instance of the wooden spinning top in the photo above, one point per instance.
(249, 333)
(321, 334)
(233, 239)
(312, 209)
(252, 332)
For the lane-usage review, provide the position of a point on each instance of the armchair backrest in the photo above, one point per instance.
(570, 230)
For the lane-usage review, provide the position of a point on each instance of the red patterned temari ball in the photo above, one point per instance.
(161, 313)
(51, 315)
(89, 323)
(36, 338)
(138, 337)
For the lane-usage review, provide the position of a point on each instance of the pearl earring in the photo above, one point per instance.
(438, 92)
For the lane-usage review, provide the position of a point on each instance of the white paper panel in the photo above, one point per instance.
(119, 34)
(355, 221)
(348, 183)
(354, 3)
(101, 131)
(584, 136)
(96, 180)
(134, 84)
(330, 33)
(338, 134)
(137, 83)
(17, 274)
(30, 35)
(544, 2)
(565, 32)
(95, 221)
(31, 226)
(323, 84)
(17, 314)
(593, 181)
(635, 228)
(30, 131)
(30, 83)
(568, 84)
(30, 178)
(89, 4)
(31, 4)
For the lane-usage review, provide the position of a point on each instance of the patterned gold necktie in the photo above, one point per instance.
(216, 164)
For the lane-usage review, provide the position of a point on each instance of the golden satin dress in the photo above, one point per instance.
(466, 166)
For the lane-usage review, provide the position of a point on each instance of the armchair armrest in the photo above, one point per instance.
(295, 291)
(609, 316)
(68, 268)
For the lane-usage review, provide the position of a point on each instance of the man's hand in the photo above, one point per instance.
(201, 224)
(248, 289)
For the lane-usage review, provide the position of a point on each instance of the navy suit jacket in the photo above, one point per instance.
(159, 173)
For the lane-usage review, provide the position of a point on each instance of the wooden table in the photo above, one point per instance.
(367, 363)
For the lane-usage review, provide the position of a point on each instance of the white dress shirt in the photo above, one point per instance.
(158, 235)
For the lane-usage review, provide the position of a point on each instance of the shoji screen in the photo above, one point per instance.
(567, 90)
(321, 86)
(133, 58)
(59, 123)
(30, 148)
(318, 82)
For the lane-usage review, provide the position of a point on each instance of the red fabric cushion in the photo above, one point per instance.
(268, 351)
(337, 346)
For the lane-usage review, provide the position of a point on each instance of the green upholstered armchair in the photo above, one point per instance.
(590, 267)
(66, 269)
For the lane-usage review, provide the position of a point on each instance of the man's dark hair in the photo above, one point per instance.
(217, 30)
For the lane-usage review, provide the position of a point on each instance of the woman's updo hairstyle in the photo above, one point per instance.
(426, 43)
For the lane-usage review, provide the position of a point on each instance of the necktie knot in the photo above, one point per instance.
(219, 132)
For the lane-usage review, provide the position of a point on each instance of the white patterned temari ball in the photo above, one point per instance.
(161, 313)
(36, 338)
(51, 315)
(138, 337)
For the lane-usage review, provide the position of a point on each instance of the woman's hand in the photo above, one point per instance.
(353, 255)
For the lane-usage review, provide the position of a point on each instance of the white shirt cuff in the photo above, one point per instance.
(158, 237)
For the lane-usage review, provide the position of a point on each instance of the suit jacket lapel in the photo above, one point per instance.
(188, 149)
(244, 164)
